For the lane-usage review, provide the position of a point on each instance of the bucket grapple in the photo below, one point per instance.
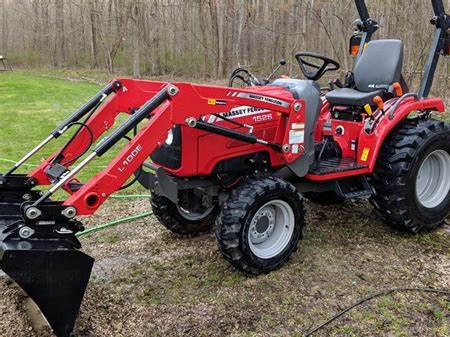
(242, 158)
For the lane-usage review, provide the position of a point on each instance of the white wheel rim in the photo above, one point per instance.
(194, 216)
(433, 179)
(271, 229)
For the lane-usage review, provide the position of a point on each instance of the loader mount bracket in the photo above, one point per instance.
(16, 182)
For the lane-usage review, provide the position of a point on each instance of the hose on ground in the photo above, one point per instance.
(121, 220)
(371, 297)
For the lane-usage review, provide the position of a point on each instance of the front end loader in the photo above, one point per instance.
(241, 158)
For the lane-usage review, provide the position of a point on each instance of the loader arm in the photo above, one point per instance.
(163, 111)
(190, 102)
(131, 95)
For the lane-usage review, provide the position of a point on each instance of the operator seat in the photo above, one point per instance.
(379, 66)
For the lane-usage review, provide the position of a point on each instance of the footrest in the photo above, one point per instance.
(335, 165)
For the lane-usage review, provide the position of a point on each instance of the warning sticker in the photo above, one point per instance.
(365, 154)
(296, 137)
(212, 101)
(298, 126)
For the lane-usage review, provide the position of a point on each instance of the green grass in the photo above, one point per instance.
(32, 104)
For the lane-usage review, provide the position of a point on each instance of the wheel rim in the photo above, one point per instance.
(433, 179)
(271, 229)
(194, 216)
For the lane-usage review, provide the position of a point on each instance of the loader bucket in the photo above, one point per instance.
(52, 271)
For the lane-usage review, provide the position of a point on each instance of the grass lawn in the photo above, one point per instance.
(33, 103)
(148, 282)
(31, 106)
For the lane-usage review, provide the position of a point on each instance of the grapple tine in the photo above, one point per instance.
(52, 271)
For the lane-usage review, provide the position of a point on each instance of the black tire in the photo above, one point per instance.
(324, 198)
(233, 223)
(397, 169)
(170, 217)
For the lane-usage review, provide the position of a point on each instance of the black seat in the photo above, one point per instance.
(352, 97)
(379, 67)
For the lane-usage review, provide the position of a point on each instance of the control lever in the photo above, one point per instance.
(280, 64)
(335, 83)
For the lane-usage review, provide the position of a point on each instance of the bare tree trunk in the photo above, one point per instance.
(59, 26)
(136, 46)
(217, 27)
(203, 28)
(4, 12)
(94, 37)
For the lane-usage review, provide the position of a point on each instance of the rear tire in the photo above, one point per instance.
(179, 221)
(412, 176)
(260, 225)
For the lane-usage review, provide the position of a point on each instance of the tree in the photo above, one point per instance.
(4, 36)
(59, 56)
(136, 45)
(94, 34)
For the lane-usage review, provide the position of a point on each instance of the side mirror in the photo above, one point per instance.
(355, 43)
(282, 62)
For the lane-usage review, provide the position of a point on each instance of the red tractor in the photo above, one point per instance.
(240, 158)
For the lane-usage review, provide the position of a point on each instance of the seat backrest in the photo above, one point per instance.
(379, 65)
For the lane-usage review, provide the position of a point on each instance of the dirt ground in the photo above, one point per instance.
(148, 282)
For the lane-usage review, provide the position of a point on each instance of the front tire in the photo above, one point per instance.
(180, 221)
(412, 176)
(260, 225)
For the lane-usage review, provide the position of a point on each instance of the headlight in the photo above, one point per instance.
(169, 139)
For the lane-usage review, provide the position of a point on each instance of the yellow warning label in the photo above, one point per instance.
(211, 101)
(365, 154)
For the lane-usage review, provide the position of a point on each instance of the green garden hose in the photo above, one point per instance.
(113, 223)
(119, 221)
(130, 196)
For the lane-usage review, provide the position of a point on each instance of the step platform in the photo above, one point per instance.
(335, 165)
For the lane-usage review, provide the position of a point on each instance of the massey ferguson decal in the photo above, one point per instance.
(265, 99)
(239, 112)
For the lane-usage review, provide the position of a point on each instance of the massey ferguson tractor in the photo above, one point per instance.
(241, 158)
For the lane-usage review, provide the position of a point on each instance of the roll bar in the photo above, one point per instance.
(441, 39)
(368, 27)
(440, 43)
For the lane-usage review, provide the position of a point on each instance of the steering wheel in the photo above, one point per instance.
(306, 59)
(242, 77)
